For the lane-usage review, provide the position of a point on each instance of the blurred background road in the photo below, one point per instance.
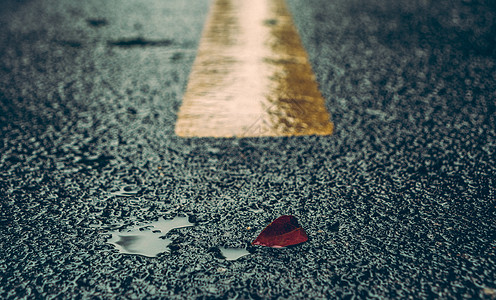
(399, 202)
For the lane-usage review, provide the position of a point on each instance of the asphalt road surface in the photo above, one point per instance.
(399, 202)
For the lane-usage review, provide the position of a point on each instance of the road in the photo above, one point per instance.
(398, 202)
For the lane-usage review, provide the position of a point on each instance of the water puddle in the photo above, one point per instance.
(148, 239)
(97, 22)
(126, 191)
(140, 42)
(233, 253)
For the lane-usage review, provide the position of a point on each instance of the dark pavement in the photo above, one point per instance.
(398, 203)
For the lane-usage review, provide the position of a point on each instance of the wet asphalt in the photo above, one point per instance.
(399, 202)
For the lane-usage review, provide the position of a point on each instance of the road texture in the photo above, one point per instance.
(399, 202)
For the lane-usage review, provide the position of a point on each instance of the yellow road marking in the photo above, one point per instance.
(251, 76)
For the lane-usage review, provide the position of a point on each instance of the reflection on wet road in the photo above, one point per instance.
(147, 240)
(233, 253)
(252, 77)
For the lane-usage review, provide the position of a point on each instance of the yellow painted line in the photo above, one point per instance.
(251, 76)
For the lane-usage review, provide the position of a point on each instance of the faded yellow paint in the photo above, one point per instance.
(251, 76)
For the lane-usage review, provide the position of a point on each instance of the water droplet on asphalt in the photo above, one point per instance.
(233, 253)
(125, 191)
(146, 239)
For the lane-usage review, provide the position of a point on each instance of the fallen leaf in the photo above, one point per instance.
(282, 232)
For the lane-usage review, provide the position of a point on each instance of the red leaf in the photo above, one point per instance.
(282, 232)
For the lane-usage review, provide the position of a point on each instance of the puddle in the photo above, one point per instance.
(125, 191)
(233, 253)
(97, 22)
(146, 239)
(140, 42)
